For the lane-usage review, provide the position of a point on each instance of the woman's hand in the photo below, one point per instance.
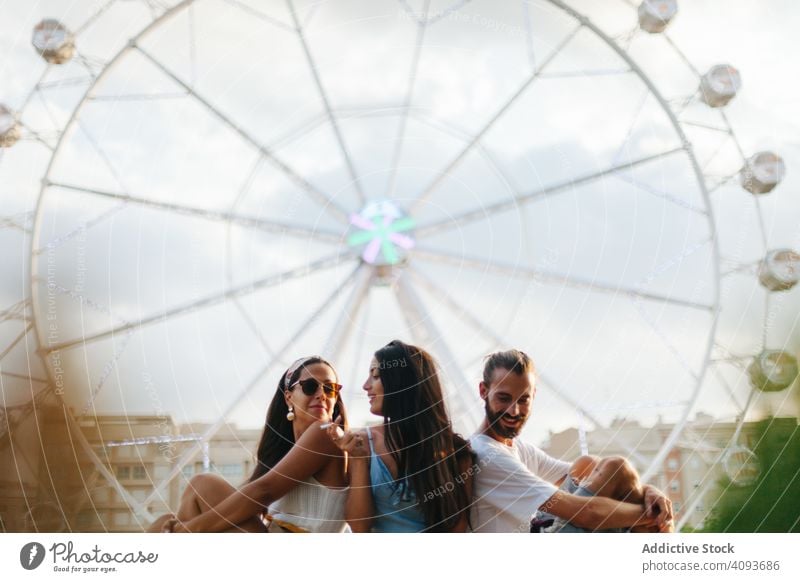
(172, 525)
(352, 442)
(360, 507)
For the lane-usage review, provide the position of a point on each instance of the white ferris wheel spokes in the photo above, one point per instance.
(330, 195)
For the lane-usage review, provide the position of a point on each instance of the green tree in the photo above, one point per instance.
(770, 503)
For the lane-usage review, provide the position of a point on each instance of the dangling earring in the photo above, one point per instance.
(290, 414)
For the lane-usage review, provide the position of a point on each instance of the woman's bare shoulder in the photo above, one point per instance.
(315, 439)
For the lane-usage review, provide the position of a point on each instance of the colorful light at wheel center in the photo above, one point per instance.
(380, 227)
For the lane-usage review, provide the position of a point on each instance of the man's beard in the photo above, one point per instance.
(498, 428)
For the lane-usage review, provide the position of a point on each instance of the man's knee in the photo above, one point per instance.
(616, 478)
(583, 466)
(617, 465)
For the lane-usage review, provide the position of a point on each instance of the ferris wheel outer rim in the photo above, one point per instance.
(37, 219)
(584, 21)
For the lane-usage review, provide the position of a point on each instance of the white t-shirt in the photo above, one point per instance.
(510, 483)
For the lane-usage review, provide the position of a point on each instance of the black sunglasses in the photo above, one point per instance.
(311, 385)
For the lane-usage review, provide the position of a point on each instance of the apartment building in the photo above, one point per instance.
(51, 484)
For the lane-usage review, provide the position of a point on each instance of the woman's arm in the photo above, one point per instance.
(360, 507)
(467, 467)
(306, 458)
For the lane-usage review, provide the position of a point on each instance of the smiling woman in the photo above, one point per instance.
(411, 473)
(298, 484)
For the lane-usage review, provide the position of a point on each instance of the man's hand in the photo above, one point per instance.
(658, 506)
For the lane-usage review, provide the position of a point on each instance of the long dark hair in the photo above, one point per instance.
(433, 459)
(278, 436)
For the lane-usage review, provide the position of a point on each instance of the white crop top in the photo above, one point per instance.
(312, 507)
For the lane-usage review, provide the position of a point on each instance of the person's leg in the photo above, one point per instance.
(156, 526)
(616, 478)
(583, 466)
(205, 491)
(580, 470)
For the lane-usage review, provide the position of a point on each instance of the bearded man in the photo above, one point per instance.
(514, 479)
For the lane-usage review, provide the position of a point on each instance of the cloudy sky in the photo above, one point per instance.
(181, 124)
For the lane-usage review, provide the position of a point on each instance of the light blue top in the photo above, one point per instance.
(396, 507)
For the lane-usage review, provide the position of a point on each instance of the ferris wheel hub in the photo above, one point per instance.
(382, 231)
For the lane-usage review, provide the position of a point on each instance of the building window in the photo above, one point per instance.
(139, 472)
(672, 464)
(160, 472)
(230, 470)
(101, 495)
(124, 472)
(674, 486)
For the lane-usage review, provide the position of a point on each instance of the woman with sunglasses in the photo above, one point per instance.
(299, 483)
(412, 473)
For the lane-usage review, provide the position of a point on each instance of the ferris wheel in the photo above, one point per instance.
(225, 185)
